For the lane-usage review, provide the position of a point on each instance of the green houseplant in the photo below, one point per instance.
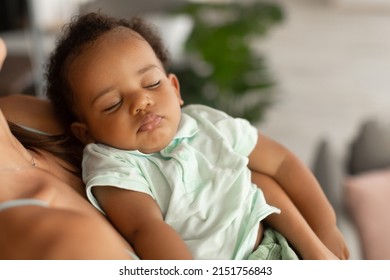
(221, 68)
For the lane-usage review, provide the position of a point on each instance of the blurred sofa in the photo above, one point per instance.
(358, 186)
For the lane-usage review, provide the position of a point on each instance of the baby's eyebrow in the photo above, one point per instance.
(146, 68)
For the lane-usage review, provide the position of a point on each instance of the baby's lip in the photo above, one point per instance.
(150, 122)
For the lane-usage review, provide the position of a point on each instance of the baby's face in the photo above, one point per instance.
(123, 97)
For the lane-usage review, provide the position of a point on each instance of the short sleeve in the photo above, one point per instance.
(237, 131)
(103, 166)
(240, 133)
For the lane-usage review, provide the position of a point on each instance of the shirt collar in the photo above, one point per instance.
(187, 127)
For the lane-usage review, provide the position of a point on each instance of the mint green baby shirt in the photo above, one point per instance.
(200, 181)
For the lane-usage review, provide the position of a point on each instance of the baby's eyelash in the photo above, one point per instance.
(156, 84)
(111, 108)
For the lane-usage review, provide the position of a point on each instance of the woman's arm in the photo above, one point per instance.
(138, 218)
(300, 185)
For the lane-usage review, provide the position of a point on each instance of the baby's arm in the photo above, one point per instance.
(290, 223)
(300, 185)
(138, 218)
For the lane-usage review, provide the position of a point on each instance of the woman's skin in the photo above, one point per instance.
(38, 114)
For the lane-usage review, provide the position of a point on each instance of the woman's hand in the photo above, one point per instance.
(3, 52)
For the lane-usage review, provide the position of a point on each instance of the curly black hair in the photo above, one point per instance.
(78, 34)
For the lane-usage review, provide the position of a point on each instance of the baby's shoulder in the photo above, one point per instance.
(199, 111)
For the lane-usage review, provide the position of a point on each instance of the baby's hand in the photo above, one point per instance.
(324, 255)
(318, 252)
(334, 240)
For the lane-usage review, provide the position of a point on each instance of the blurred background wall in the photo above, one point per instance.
(332, 62)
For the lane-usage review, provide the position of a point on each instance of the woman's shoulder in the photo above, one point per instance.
(30, 111)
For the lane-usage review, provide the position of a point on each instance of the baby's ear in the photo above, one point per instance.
(80, 130)
(176, 86)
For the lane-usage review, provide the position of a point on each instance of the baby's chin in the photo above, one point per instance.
(152, 150)
(158, 147)
(156, 142)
